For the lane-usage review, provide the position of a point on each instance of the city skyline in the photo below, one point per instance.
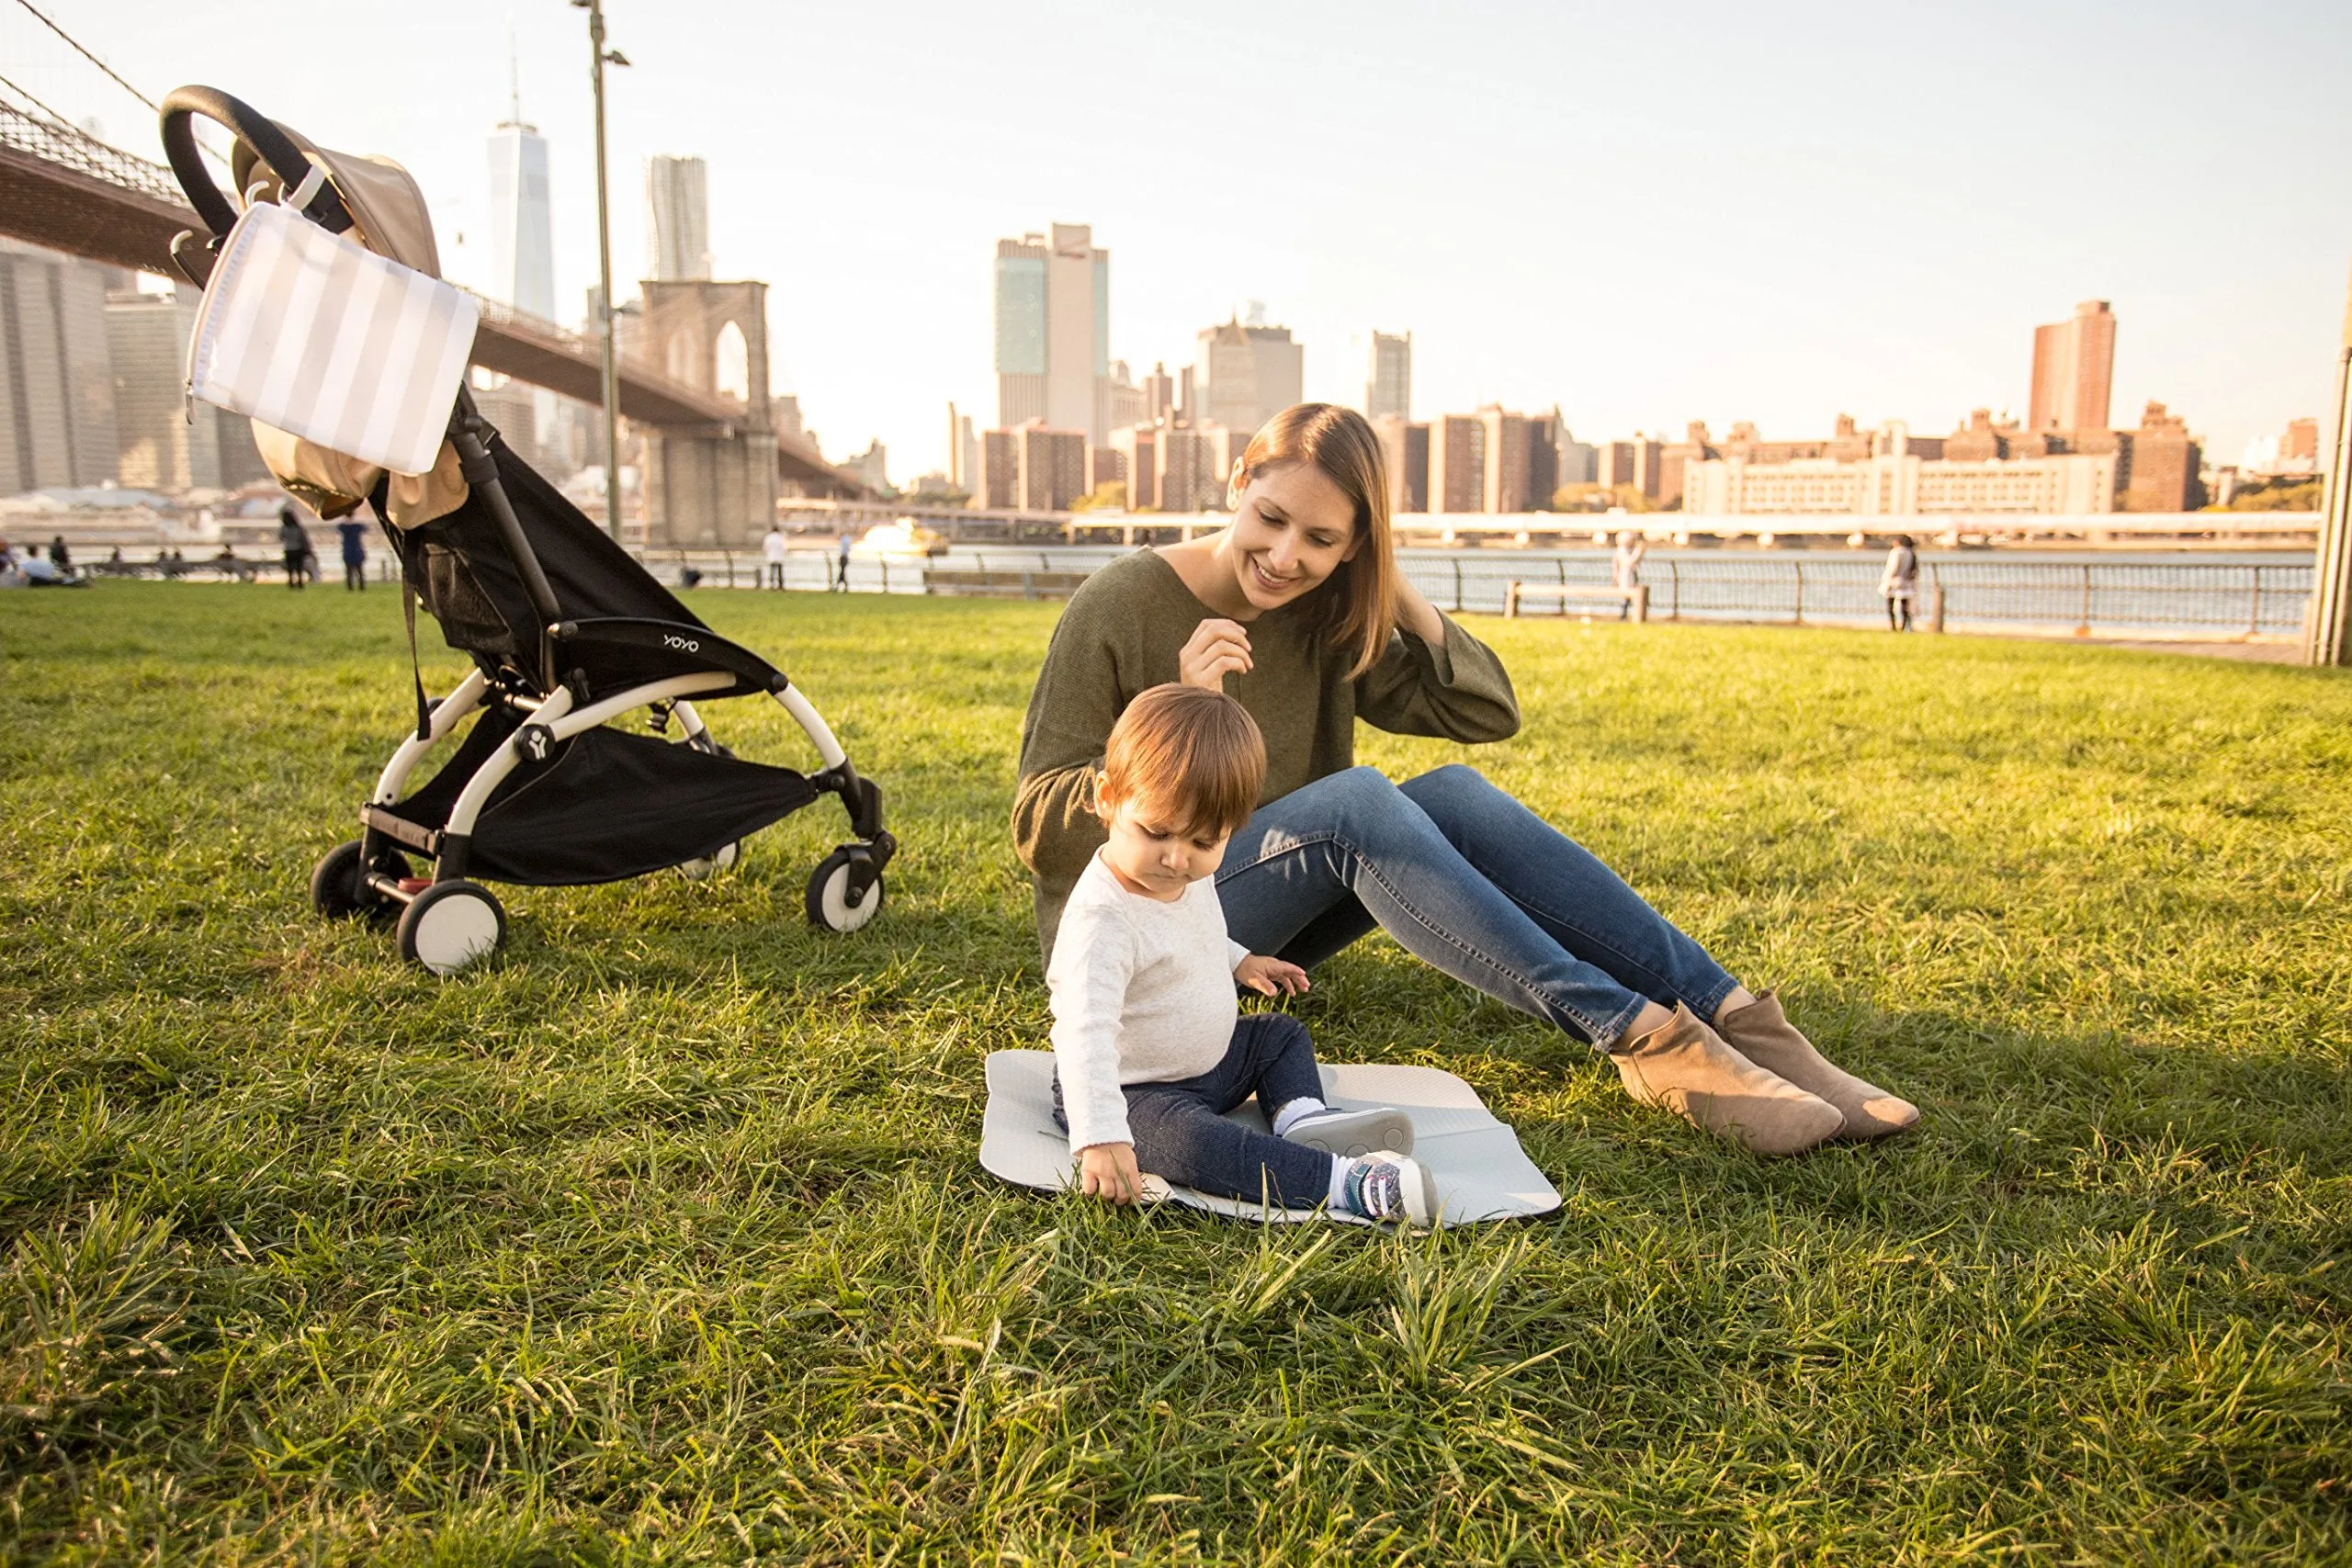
(2211, 221)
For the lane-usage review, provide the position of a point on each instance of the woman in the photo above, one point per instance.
(1298, 609)
(1900, 583)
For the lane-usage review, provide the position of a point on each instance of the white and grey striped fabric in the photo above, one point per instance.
(316, 335)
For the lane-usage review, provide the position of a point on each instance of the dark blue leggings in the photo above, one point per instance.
(1182, 1135)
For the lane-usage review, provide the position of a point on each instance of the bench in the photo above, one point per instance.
(1004, 584)
(1633, 604)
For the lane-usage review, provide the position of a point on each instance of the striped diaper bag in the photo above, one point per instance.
(314, 333)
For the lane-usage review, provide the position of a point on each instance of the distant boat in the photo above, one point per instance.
(905, 539)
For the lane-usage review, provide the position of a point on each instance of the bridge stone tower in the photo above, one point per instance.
(714, 487)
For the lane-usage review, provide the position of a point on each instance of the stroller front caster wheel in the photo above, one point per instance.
(829, 896)
(450, 924)
(339, 888)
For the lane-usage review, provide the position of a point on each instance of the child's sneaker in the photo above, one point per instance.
(1386, 1185)
(1351, 1134)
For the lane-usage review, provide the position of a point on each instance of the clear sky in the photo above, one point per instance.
(1646, 214)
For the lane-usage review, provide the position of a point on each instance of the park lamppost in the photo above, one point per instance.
(599, 57)
(2330, 638)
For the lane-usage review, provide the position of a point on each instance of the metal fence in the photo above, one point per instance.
(2220, 599)
(2214, 599)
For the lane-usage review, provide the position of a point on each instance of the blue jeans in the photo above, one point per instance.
(1182, 1135)
(1467, 879)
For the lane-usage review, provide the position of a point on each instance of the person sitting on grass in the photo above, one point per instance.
(1301, 605)
(1149, 1047)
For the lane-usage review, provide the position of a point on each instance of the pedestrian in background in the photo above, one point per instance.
(294, 543)
(355, 555)
(58, 555)
(1900, 584)
(840, 581)
(776, 548)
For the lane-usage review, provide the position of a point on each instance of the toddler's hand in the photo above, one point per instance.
(1108, 1171)
(1271, 976)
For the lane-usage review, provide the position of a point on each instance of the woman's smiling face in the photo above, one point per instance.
(1292, 529)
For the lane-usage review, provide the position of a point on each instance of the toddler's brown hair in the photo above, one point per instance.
(1189, 759)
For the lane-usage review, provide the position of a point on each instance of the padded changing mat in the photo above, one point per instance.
(1481, 1171)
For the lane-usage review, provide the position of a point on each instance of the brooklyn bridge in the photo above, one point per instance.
(713, 463)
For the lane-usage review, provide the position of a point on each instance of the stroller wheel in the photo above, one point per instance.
(702, 867)
(337, 892)
(829, 900)
(450, 924)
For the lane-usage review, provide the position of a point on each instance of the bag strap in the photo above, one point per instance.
(415, 667)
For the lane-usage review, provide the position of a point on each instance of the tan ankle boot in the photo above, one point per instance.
(1687, 1068)
(1762, 1032)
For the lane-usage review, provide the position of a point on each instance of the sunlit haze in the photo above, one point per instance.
(1646, 215)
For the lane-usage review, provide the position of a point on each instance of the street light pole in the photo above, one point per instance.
(2330, 627)
(598, 58)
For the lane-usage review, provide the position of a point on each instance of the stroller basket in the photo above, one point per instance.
(567, 633)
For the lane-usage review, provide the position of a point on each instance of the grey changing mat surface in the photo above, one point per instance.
(1481, 1171)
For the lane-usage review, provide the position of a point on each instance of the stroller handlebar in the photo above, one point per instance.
(275, 148)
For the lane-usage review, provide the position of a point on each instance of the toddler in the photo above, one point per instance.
(1149, 1046)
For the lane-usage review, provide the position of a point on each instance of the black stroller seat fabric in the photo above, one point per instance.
(603, 806)
(623, 628)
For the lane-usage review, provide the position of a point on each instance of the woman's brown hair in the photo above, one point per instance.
(1360, 601)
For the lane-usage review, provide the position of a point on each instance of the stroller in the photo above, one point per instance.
(567, 632)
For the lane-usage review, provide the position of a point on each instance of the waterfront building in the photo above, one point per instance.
(1389, 387)
(1159, 395)
(1105, 466)
(1639, 463)
(2162, 462)
(873, 465)
(997, 479)
(1051, 467)
(1404, 446)
(677, 229)
(1245, 373)
(1900, 476)
(963, 453)
(167, 440)
(57, 421)
(1457, 471)
(1053, 331)
(1580, 460)
(1124, 403)
(2073, 370)
(1138, 447)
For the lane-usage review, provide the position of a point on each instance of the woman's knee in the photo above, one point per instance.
(1453, 782)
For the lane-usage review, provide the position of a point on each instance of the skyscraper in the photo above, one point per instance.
(57, 423)
(2073, 370)
(1389, 389)
(1053, 331)
(522, 234)
(677, 229)
(1246, 374)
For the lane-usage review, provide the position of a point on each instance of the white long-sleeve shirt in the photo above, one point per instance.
(1142, 993)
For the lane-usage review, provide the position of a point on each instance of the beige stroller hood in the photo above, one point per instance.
(390, 218)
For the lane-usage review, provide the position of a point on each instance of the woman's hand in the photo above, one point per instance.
(1271, 976)
(1108, 1171)
(1215, 649)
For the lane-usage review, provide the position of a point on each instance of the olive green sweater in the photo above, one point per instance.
(1122, 633)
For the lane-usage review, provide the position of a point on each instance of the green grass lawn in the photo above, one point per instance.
(663, 1237)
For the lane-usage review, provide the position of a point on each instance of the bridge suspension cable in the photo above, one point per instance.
(77, 46)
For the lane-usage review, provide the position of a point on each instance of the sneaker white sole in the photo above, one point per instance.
(1351, 1134)
(1421, 1210)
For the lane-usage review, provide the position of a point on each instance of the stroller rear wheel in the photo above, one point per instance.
(339, 888)
(829, 904)
(449, 925)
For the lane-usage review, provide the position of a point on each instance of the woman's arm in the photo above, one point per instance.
(1437, 679)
